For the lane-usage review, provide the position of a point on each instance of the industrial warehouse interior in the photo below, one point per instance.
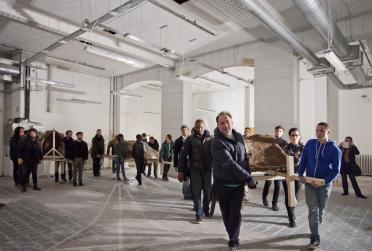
(185, 125)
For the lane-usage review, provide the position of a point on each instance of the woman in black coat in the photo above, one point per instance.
(19, 132)
(349, 151)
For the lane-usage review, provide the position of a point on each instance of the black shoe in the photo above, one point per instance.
(81, 184)
(23, 189)
(292, 223)
(2, 205)
(75, 184)
(265, 202)
(275, 207)
(313, 244)
(206, 214)
(345, 194)
(198, 220)
(36, 188)
(362, 196)
(118, 179)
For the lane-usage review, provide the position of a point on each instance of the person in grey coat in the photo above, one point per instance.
(119, 150)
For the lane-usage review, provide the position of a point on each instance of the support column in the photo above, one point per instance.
(249, 107)
(176, 106)
(276, 77)
(2, 126)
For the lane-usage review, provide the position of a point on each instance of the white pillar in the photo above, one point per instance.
(176, 106)
(249, 107)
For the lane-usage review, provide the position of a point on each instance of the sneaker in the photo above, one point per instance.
(345, 194)
(75, 184)
(265, 202)
(36, 188)
(198, 220)
(313, 244)
(81, 184)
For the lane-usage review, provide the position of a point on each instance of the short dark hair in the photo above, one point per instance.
(99, 130)
(279, 127)
(348, 137)
(184, 126)
(198, 121)
(169, 137)
(325, 124)
(223, 113)
(293, 129)
(138, 137)
(120, 136)
(152, 137)
(78, 133)
(68, 131)
(32, 130)
(144, 134)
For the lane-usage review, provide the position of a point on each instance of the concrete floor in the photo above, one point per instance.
(107, 215)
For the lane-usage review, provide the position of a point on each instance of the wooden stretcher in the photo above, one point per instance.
(53, 154)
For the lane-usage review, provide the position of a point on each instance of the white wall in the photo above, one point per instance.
(77, 117)
(138, 115)
(229, 100)
(355, 118)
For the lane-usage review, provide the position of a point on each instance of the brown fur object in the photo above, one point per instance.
(150, 154)
(47, 142)
(265, 154)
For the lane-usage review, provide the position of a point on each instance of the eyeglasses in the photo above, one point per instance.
(294, 135)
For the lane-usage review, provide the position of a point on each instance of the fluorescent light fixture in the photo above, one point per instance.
(332, 59)
(193, 81)
(51, 82)
(114, 13)
(62, 41)
(215, 81)
(205, 110)
(78, 101)
(126, 94)
(157, 113)
(115, 56)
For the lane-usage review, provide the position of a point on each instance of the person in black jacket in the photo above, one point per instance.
(178, 145)
(295, 149)
(19, 133)
(80, 156)
(69, 151)
(154, 144)
(97, 153)
(166, 155)
(349, 151)
(29, 156)
(279, 130)
(138, 153)
(197, 152)
(230, 173)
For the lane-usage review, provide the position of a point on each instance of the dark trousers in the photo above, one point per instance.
(354, 183)
(276, 190)
(96, 166)
(290, 210)
(230, 200)
(69, 167)
(30, 168)
(201, 181)
(113, 164)
(140, 165)
(166, 170)
(16, 172)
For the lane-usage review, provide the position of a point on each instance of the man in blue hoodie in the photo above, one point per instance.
(321, 159)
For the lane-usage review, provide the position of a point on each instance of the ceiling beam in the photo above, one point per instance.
(38, 19)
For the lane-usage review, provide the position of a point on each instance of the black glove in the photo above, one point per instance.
(252, 183)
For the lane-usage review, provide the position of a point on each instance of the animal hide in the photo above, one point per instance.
(265, 154)
(47, 142)
(150, 153)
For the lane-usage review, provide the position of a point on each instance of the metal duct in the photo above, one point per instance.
(9, 70)
(317, 15)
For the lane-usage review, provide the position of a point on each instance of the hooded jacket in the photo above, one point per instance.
(230, 160)
(321, 161)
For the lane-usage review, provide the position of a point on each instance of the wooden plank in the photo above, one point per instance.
(290, 184)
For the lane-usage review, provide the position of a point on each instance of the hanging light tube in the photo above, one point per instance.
(193, 81)
(115, 56)
(215, 81)
(51, 82)
(126, 94)
(333, 59)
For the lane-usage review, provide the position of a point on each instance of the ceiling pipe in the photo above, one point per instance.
(317, 15)
(274, 22)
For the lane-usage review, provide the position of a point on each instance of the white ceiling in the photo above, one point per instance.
(146, 21)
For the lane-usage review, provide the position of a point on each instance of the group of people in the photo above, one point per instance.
(26, 154)
(198, 156)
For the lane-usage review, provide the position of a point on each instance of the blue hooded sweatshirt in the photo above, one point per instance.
(321, 161)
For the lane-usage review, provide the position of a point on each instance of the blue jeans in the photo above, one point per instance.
(119, 165)
(316, 200)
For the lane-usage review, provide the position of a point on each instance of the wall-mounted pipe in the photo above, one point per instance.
(9, 70)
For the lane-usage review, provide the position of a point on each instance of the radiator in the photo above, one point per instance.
(365, 163)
